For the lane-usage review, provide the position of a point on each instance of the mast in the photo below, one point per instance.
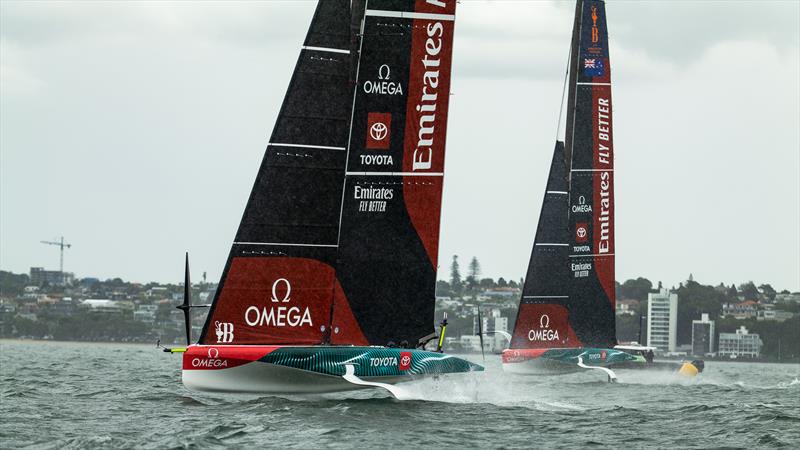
(591, 218)
(389, 233)
(277, 284)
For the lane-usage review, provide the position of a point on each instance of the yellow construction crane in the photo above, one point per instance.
(62, 245)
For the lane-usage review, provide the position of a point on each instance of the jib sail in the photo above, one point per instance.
(591, 224)
(388, 243)
(279, 279)
(544, 315)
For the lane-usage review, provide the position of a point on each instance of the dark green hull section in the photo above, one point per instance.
(369, 361)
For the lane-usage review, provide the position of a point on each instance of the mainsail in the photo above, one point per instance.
(339, 240)
(568, 298)
(388, 243)
(280, 274)
(591, 219)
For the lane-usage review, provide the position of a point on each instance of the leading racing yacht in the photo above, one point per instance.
(329, 284)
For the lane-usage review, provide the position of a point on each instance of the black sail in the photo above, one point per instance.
(545, 303)
(279, 280)
(388, 244)
(589, 144)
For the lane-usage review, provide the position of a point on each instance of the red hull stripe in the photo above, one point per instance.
(201, 357)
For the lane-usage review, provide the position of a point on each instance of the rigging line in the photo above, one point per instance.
(563, 90)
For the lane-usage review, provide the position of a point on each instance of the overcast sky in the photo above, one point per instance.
(136, 129)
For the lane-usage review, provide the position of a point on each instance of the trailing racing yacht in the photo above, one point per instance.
(329, 284)
(566, 316)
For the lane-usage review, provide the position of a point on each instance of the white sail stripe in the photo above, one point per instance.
(545, 296)
(586, 83)
(285, 244)
(398, 174)
(552, 244)
(326, 49)
(592, 170)
(592, 255)
(558, 192)
(409, 15)
(323, 147)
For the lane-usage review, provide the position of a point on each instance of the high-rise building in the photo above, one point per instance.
(702, 336)
(501, 330)
(740, 343)
(662, 320)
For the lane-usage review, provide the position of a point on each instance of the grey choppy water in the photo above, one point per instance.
(78, 395)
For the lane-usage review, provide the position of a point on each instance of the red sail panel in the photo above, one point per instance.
(426, 126)
(603, 164)
(277, 300)
(435, 6)
(543, 326)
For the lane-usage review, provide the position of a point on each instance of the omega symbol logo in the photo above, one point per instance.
(581, 200)
(384, 72)
(544, 321)
(378, 131)
(213, 353)
(286, 296)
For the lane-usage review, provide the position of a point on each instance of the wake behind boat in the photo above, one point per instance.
(330, 281)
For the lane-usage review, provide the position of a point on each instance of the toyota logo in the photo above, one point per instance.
(581, 232)
(213, 353)
(378, 131)
(405, 360)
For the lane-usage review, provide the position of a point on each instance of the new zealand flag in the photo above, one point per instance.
(593, 67)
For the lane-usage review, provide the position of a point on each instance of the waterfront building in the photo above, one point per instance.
(39, 277)
(702, 336)
(145, 313)
(788, 297)
(740, 344)
(662, 320)
(501, 292)
(742, 310)
(768, 312)
(471, 343)
(627, 306)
